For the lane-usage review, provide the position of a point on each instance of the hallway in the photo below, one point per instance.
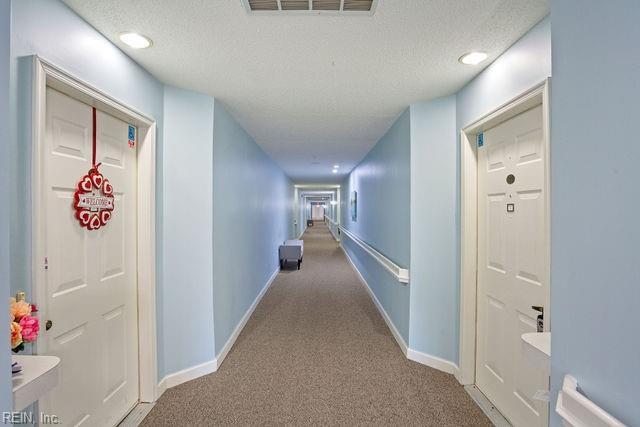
(156, 157)
(316, 351)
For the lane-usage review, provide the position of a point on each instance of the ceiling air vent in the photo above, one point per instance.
(294, 4)
(358, 5)
(314, 7)
(326, 5)
(263, 5)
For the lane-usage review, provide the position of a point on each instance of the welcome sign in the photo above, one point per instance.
(95, 202)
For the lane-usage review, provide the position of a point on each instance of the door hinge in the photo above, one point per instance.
(46, 263)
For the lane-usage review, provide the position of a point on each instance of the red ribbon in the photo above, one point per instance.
(95, 143)
(94, 137)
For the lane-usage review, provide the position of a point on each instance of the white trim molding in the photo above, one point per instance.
(385, 316)
(187, 374)
(247, 315)
(411, 354)
(191, 373)
(537, 95)
(432, 361)
(45, 74)
(401, 274)
(317, 186)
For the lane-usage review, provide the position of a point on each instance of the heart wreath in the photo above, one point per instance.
(93, 200)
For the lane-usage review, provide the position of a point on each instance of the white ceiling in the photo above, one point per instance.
(315, 90)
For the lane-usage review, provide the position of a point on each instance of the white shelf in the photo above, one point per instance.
(540, 341)
(39, 375)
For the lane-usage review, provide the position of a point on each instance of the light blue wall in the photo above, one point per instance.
(435, 209)
(526, 63)
(51, 30)
(188, 235)
(252, 213)
(5, 40)
(595, 256)
(434, 292)
(382, 180)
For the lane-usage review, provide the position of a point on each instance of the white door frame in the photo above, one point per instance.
(47, 75)
(537, 95)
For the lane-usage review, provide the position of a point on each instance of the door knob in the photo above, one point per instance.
(48, 324)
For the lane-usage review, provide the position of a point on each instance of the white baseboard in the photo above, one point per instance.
(411, 354)
(185, 375)
(385, 316)
(305, 229)
(432, 361)
(194, 372)
(236, 332)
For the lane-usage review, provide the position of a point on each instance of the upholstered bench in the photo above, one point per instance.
(291, 250)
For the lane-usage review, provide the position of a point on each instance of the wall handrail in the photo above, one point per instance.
(576, 409)
(333, 224)
(331, 221)
(401, 274)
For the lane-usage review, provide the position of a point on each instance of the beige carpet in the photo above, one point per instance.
(316, 351)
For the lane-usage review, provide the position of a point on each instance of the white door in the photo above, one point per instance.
(512, 265)
(90, 293)
(317, 212)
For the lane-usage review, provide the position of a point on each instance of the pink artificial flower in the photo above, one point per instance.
(30, 327)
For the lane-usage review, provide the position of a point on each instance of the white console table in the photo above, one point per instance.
(39, 375)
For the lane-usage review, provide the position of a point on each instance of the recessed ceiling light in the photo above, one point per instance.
(135, 40)
(335, 171)
(336, 166)
(473, 58)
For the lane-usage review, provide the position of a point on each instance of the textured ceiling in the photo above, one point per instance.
(315, 90)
